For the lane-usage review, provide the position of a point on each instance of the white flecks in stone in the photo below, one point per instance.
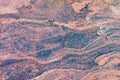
(115, 10)
(102, 30)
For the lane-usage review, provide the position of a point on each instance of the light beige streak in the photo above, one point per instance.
(11, 6)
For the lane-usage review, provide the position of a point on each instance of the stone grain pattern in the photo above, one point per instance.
(59, 39)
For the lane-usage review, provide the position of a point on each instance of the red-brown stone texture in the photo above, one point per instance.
(59, 39)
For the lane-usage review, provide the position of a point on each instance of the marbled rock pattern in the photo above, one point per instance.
(59, 39)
